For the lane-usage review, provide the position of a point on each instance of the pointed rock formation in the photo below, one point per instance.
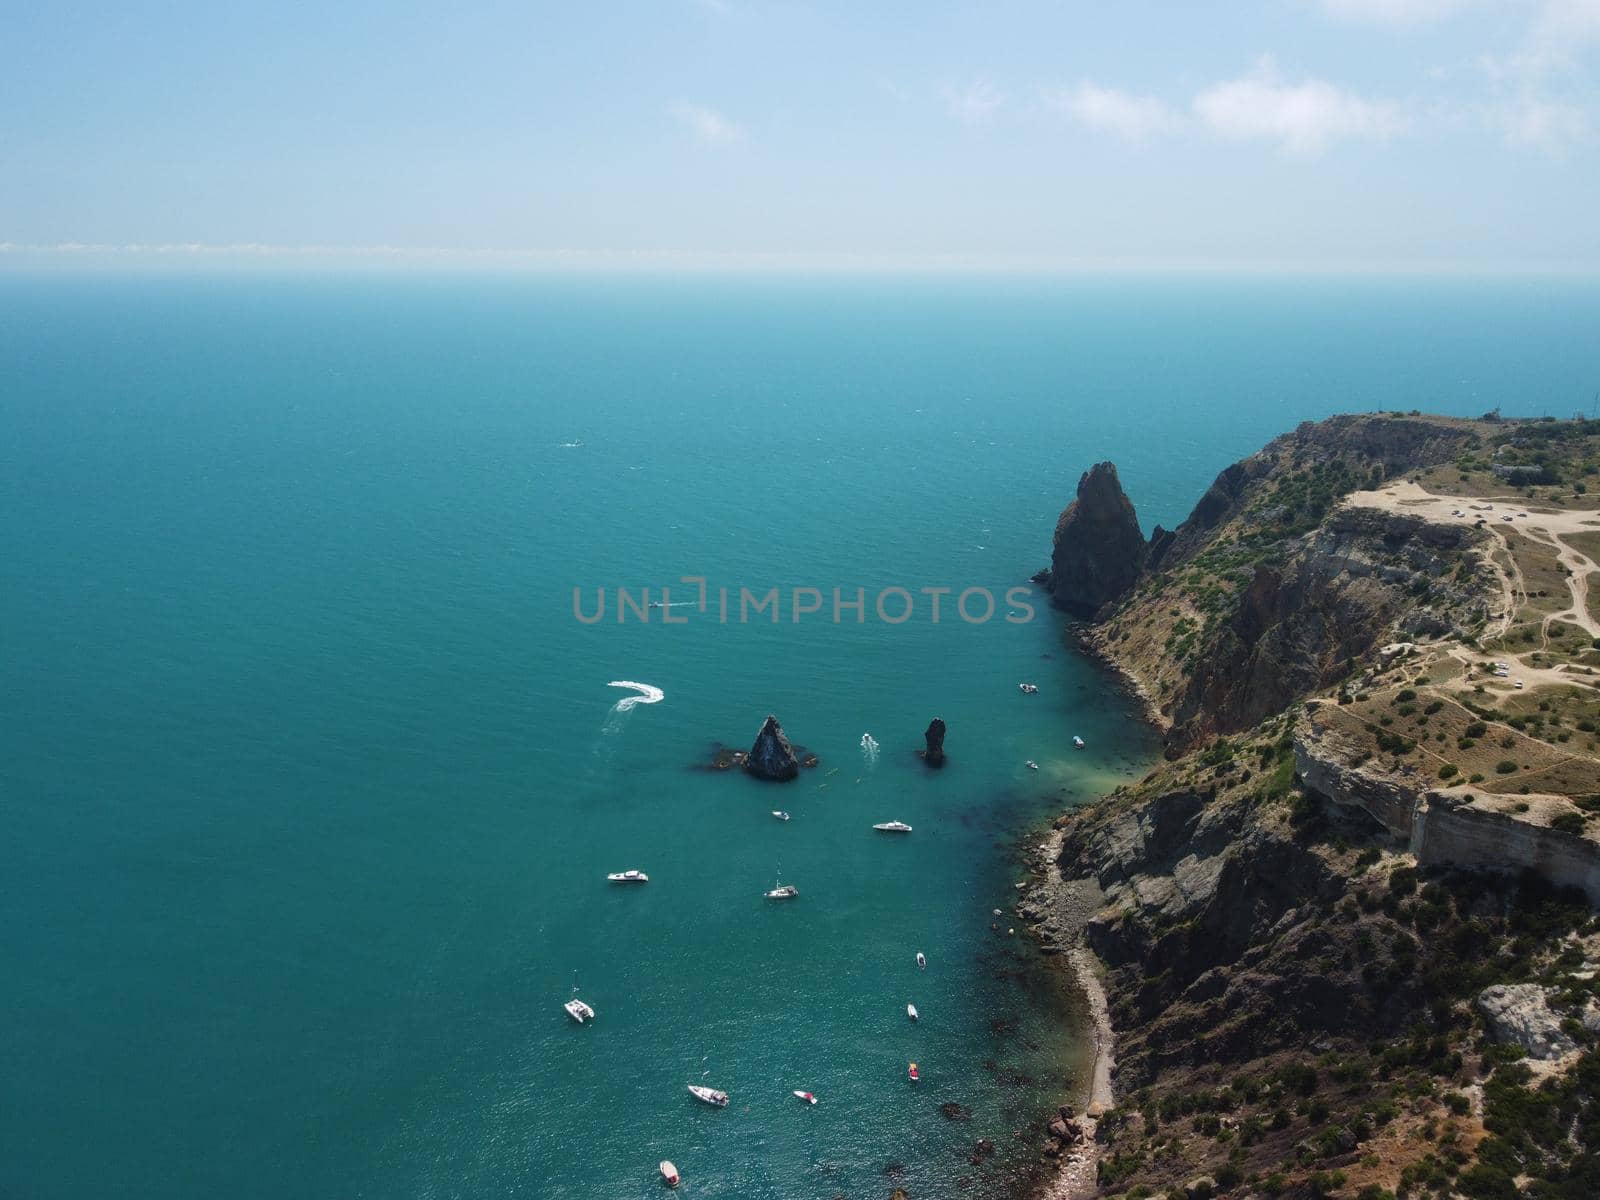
(1099, 550)
(772, 757)
(934, 754)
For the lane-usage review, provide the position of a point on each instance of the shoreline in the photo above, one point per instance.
(1091, 646)
(1054, 911)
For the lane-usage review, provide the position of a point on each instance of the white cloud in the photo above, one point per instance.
(1563, 30)
(1393, 12)
(1303, 117)
(707, 124)
(976, 103)
(1112, 111)
(1530, 123)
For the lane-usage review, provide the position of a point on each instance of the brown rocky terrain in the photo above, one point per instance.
(1347, 928)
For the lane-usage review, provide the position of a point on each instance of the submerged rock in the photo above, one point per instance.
(772, 757)
(1099, 551)
(934, 754)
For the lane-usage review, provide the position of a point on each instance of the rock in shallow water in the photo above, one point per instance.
(934, 754)
(772, 757)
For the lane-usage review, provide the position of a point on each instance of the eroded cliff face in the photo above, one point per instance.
(1212, 926)
(1270, 591)
(1098, 553)
(1452, 827)
(1359, 580)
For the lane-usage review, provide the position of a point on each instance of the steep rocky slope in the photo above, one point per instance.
(1360, 887)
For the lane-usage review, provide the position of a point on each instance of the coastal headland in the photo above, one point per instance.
(1345, 932)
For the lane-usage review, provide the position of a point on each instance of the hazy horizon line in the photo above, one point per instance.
(66, 256)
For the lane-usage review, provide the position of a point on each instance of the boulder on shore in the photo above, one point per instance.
(772, 757)
(934, 754)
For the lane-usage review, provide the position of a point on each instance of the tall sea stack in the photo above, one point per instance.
(934, 754)
(1099, 551)
(772, 757)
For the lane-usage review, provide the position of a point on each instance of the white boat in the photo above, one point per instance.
(1028, 689)
(807, 1097)
(783, 891)
(782, 816)
(1077, 741)
(628, 877)
(578, 1010)
(892, 827)
(669, 1173)
(922, 960)
(1030, 764)
(709, 1095)
(911, 1011)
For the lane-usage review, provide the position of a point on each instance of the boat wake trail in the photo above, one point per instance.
(869, 749)
(617, 718)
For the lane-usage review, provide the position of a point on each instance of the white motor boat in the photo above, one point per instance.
(1028, 689)
(628, 877)
(709, 1095)
(1077, 741)
(807, 1097)
(783, 891)
(669, 1173)
(1030, 764)
(892, 827)
(922, 960)
(578, 1010)
(911, 1011)
(782, 816)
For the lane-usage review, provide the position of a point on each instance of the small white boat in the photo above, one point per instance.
(1028, 689)
(807, 1097)
(709, 1096)
(911, 1011)
(784, 891)
(782, 816)
(669, 1173)
(1030, 764)
(892, 827)
(578, 1010)
(628, 877)
(1077, 741)
(922, 960)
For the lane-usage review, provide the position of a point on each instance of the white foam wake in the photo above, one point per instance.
(617, 718)
(869, 748)
(648, 694)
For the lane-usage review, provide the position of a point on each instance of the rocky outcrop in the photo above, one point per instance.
(1452, 827)
(771, 757)
(1519, 1014)
(933, 755)
(1099, 551)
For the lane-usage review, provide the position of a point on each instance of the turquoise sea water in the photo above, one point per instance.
(309, 778)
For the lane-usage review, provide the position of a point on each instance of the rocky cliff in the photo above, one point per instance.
(1361, 883)
(1270, 591)
(1098, 551)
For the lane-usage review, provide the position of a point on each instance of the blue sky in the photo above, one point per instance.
(1342, 134)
